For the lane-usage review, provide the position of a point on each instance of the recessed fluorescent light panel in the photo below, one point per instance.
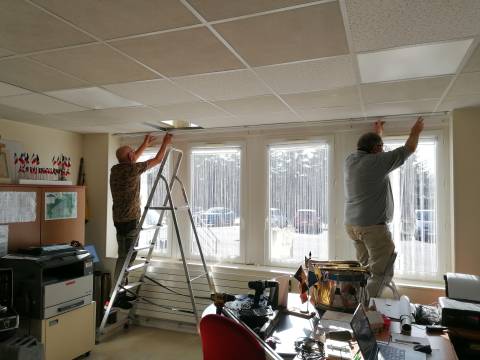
(413, 61)
(177, 124)
(93, 98)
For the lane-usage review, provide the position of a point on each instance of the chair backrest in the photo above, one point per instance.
(225, 339)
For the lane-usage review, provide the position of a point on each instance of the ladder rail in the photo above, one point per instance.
(194, 228)
(184, 262)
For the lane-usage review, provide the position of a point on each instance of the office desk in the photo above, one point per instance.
(290, 328)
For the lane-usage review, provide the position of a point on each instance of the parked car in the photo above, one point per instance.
(218, 216)
(425, 225)
(307, 221)
(277, 219)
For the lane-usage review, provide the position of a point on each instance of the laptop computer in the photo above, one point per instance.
(370, 349)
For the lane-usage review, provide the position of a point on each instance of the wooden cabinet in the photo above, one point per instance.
(67, 336)
(37, 222)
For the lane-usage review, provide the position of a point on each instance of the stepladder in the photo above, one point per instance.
(140, 267)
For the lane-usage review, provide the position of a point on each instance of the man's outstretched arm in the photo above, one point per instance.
(161, 152)
(378, 126)
(149, 139)
(412, 141)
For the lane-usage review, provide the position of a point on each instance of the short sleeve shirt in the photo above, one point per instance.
(368, 193)
(125, 188)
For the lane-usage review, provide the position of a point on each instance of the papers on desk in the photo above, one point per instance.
(334, 321)
(410, 340)
(394, 309)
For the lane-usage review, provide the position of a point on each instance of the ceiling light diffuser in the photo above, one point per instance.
(413, 61)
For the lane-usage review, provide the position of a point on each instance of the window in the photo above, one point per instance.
(298, 202)
(147, 179)
(415, 223)
(215, 201)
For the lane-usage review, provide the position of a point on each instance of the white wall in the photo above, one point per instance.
(99, 230)
(45, 142)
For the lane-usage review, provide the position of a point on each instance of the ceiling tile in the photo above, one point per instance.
(323, 99)
(379, 24)
(222, 9)
(456, 102)
(465, 84)
(25, 28)
(400, 108)
(412, 62)
(5, 52)
(300, 34)
(186, 52)
(104, 117)
(109, 19)
(322, 114)
(473, 63)
(152, 92)
(92, 98)
(190, 111)
(253, 105)
(309, 75)
(225, 85)
(97, 64)
(11, 113)
(9, 90)
(405, 90)
(39, 103)
(33, 76)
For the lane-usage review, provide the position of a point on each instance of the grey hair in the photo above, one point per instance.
(368, 141)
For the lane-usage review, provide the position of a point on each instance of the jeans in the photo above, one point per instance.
(125, 241)
(374, 246)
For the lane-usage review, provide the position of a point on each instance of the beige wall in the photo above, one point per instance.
(46, 142)
(465, 131)
(98, 156)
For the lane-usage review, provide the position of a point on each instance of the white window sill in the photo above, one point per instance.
(276, 271)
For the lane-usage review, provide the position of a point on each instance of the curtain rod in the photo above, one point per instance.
(349, 121)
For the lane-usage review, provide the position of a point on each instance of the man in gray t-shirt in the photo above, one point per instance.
(369, 200)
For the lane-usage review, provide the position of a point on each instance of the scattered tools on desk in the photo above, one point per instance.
(260, 311)
(219, 300)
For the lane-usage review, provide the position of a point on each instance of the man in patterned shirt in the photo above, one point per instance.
(125, 188)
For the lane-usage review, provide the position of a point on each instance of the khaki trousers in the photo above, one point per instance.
(374, 246)
(124, 242)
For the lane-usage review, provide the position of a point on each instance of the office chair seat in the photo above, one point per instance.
(225, 339)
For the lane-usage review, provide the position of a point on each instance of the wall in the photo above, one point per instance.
(97, 156)
(46, 142)
(465, 129)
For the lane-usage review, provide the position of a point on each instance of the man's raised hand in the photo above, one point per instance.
(378, 126)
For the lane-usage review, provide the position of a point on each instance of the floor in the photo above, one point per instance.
(145, 343)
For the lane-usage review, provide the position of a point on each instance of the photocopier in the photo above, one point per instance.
(49, 281)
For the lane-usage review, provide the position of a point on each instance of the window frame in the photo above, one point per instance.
(324, 139)
(170, 245)
(241, 145)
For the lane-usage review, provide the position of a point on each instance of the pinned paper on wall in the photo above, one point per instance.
(18, 206)
(3, 240)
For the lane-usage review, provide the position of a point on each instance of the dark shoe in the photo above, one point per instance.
(122, 304)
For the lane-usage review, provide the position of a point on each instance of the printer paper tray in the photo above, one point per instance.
(66, 306)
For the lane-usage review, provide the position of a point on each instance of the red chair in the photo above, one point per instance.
(225, 339)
